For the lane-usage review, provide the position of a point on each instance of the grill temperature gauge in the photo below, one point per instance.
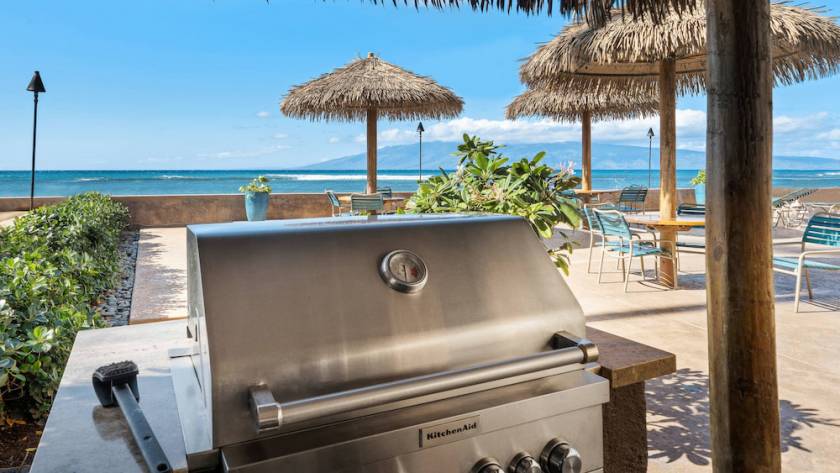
(403, 271)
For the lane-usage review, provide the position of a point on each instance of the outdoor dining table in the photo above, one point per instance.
(586, 194)
(668, 228)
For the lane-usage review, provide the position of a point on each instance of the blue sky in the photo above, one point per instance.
(164, 84)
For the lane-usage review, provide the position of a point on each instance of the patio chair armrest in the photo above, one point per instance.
(791, 242)
(817, 252)
(638, 231)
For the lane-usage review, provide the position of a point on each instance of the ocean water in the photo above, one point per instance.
(62, 183)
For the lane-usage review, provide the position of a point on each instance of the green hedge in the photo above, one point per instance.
(55, 262)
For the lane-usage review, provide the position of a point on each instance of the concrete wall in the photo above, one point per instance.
(172, 210)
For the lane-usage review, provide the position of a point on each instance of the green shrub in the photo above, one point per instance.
(485, 182)
(54, 264)
(258, 184)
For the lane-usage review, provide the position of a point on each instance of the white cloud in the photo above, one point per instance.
(245, 153)
(334, 139)
(788, 124)
(263, 114)
(691, 126)
(279, 136)
(833, 135)
(794, 135)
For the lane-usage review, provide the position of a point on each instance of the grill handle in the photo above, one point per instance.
(269, 414)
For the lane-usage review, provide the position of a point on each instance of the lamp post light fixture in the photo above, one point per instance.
(420, 131)
(650, 152)
(36, 86)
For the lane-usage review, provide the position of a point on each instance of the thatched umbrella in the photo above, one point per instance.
(669, 56)
(596, 12)
(367, 89)
(567, 106)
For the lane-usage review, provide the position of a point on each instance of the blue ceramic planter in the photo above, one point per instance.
(700, 193)
(256, 205)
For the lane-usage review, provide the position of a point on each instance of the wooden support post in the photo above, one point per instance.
(586, 156)
(371, 151)
(668, 162)
(739, 279)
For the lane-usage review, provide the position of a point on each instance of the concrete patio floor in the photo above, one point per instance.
(160, 284)
(808, 345)
(8, 218)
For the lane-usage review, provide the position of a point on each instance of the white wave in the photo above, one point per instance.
(829, 174)
(90, 179)
(342, 177)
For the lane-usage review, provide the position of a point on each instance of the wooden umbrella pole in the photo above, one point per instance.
(667, 138)
(739, 279)
(668, 161)
(371, 150)
(586, 159)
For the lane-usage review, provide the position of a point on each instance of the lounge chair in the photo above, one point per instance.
(787, 211)
(632, 199)
(386, 192)
(620, 244)
(791, 197)
(366, 203)
(693, 210)
(822, 229)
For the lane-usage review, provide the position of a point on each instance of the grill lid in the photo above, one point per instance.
(313, 307)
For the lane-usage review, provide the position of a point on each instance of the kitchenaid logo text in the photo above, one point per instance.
(449, 432)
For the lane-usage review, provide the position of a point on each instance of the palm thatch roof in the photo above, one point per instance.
(348, 92)
(625, 54)
(568, 106)
(596, 12)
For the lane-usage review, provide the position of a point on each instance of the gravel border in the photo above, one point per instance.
(116, 305)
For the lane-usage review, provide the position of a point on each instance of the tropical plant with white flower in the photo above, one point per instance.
(486, 181)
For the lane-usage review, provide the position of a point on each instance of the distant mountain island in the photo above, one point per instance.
(438, 154)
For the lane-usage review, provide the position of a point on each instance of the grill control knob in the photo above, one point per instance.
(487, 465)
(524, 463)
(559, 457)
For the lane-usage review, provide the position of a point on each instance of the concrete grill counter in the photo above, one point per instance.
(509, 379)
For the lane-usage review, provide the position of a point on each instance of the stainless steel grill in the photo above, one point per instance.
(380, 345)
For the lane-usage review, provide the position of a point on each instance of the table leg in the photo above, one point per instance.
(667, 267)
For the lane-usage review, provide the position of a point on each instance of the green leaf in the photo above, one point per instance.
(487, 181)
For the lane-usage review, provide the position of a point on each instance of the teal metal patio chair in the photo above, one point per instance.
(632, 199)
(822, 229)
(386, 192)
(366, 203)
(620, 243)
(594, 227)
(335, 204)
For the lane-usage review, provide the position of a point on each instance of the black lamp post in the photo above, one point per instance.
(650, 152)
(420, 131)
(36, 86)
